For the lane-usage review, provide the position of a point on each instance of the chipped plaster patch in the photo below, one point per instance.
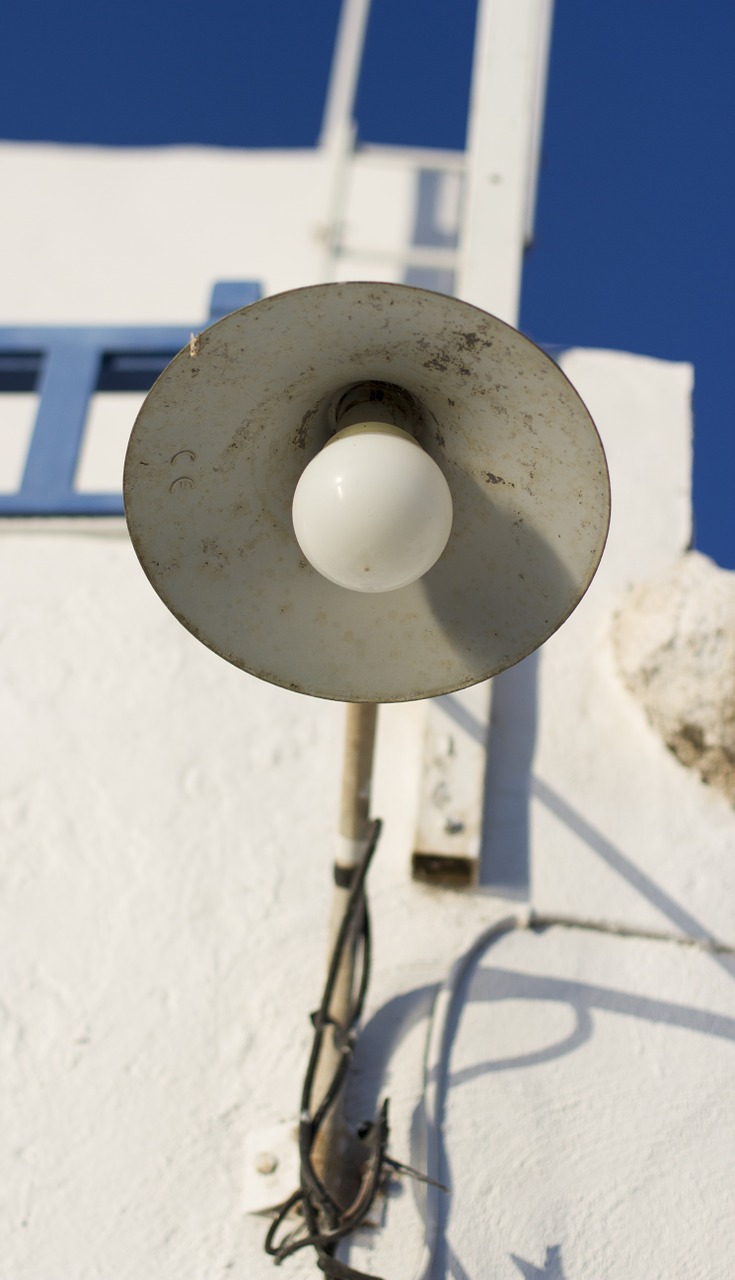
(674, 640)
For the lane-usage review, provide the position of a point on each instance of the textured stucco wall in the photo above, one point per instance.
(164, 875)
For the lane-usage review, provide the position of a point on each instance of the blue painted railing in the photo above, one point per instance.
(65, 366)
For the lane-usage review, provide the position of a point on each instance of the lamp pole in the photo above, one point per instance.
(338, 1154)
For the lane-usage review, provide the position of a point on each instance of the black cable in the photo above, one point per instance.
(308, 1127)
(356, 898)
(325, 1222)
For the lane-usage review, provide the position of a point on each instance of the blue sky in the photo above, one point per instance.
(633, 246)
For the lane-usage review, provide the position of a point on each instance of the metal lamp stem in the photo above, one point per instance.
(338, 1154)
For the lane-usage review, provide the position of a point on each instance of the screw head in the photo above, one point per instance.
(454, 826)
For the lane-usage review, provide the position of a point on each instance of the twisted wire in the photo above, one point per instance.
(324, 1223)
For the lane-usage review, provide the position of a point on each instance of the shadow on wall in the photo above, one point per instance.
(510, 787)
(486, 984)
(511, 742)
(493, 985)
(682, 920)
(505, 858)
(553, 1269)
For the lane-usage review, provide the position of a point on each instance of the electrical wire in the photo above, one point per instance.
(324, 1223)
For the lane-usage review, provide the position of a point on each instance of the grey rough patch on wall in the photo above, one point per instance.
(674, 641)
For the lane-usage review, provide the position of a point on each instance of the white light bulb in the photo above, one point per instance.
(372, 511)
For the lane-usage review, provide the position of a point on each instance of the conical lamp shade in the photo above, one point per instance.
(226, 432)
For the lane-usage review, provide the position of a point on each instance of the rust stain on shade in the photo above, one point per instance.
(301, 434)
(436, 363)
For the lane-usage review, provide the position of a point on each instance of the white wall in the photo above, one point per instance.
(167, 821)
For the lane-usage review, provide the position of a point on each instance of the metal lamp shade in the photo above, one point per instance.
(225, 433)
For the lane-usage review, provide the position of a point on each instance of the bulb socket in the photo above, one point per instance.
(378, 402)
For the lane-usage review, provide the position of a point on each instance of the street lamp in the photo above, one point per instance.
(371, 493)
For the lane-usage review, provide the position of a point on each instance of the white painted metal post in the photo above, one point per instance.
(503, 144)
(338, 133)
(345, 72)
(508, 79)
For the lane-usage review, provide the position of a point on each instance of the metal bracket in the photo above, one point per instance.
(271, 1167)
